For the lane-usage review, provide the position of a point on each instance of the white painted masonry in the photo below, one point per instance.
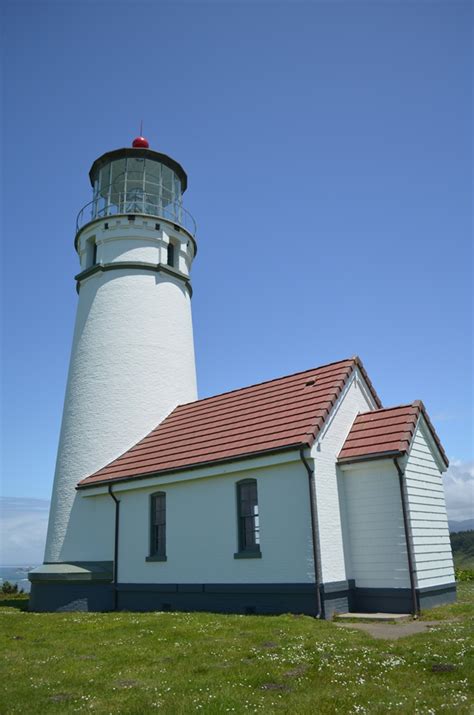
(90, 531)
(132, 362)
(427, 511)
(354, 399)
(201, 529)
(137, 240)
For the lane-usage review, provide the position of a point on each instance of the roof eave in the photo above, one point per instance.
(176, 470)
(444, 457)
(372, 457)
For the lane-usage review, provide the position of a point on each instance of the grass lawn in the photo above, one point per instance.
(200, 662)
(464, 561)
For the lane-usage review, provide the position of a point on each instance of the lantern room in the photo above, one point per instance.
(137, 180)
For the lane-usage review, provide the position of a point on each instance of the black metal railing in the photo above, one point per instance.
(136, 202)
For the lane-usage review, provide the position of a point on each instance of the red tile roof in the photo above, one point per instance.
(385, 432)
(271, 416)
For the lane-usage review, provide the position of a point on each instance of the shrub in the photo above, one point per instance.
(11, 588)
(464, 574)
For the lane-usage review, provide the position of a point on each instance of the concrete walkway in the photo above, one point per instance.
(376, 617)
(391, 631)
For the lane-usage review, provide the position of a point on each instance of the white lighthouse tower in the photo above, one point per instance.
(132, 358)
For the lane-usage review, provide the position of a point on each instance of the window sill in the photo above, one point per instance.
(156, 557)
(248, 555)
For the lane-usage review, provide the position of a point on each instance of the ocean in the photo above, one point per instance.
(16, 574)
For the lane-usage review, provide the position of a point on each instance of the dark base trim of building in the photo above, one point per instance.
(270, 599)
(399, 600)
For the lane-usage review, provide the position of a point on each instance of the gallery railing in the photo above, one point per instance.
(137, 202)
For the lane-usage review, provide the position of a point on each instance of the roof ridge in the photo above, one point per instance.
(266, 382)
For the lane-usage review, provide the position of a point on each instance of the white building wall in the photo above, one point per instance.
(201, 530)
(132, 362)
(335, 563)
(137, 240)
(375, 531)
(427, 513)
(91, 529)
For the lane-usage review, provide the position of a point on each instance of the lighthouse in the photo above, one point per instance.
(165, 502)
(132, 358)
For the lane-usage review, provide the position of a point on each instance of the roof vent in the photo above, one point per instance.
(310, 383)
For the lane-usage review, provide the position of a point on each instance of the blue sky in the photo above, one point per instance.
(328, 149)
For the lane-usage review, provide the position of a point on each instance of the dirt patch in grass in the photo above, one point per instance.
(391, 631)
(60, 697)
(443, 668)
(127, 684)
(275, 686)
(296, 672)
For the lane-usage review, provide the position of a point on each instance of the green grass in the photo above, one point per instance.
(462, 544)
(464, 561)
(181, 663)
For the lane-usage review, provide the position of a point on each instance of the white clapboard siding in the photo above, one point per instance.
(375, 526)
(419, 488)
(424, 500)
(430, 521)
(426, 558)
(433, 540)
(427, 513)
(434, 549)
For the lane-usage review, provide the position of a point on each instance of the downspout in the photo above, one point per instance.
(314, 532)
(116, 546)
(410, 556)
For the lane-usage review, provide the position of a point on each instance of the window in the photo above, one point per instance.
(248, 520)
(171, 254)
(91, 252)
(158, 527)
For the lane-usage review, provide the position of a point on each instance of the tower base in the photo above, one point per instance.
(74, 586)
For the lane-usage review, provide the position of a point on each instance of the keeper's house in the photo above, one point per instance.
(228, 504)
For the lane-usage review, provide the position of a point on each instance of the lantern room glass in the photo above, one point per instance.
(137, 185)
